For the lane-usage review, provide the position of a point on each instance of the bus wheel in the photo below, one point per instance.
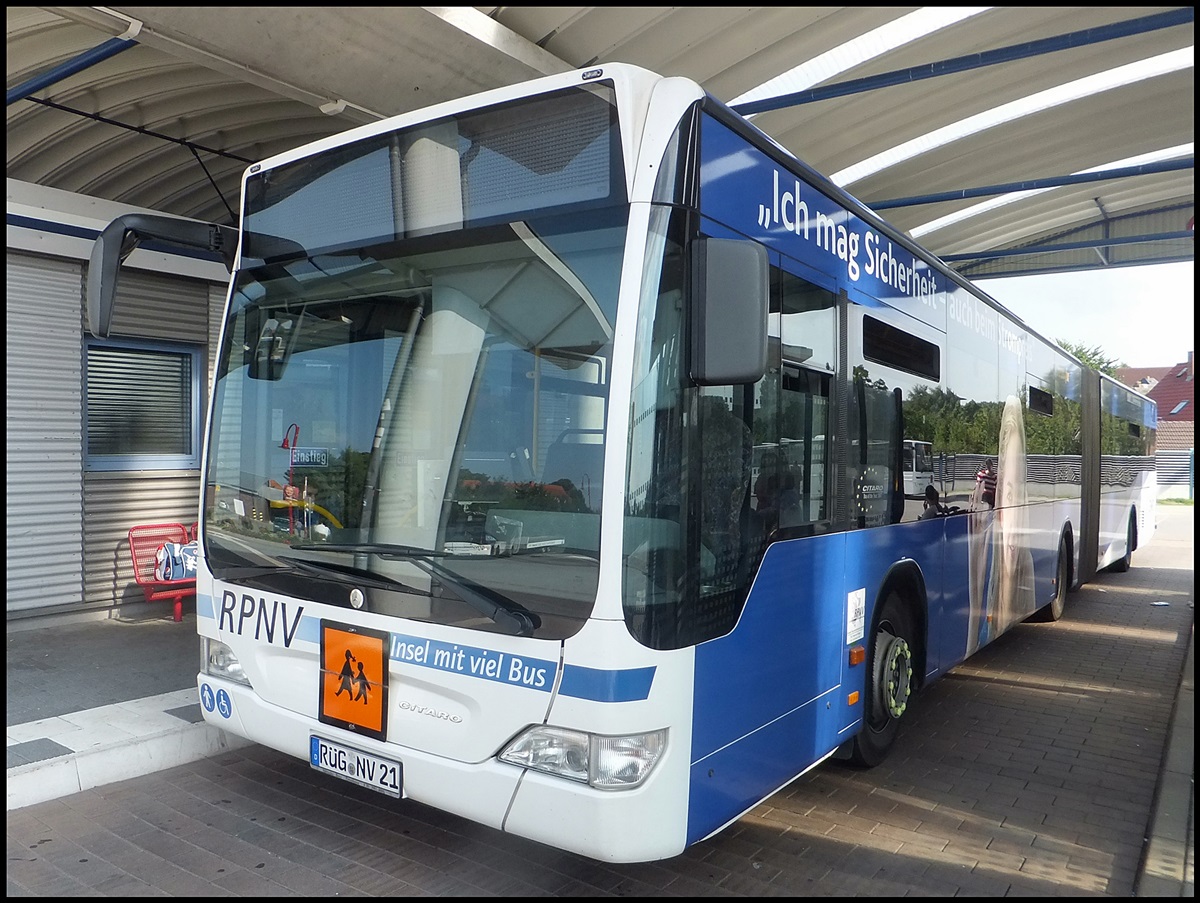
(890, 686)
(1121, 565)
(1062, 583)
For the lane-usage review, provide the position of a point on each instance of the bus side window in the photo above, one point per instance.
(874, 451)
(804, 469)
(808, 340)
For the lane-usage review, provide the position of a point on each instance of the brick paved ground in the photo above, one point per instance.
(1030, 770)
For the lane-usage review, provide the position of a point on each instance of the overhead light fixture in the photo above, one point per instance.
(341, 105)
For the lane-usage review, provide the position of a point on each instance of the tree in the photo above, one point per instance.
(1095, 357)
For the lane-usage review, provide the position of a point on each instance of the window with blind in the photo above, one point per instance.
(142, 407)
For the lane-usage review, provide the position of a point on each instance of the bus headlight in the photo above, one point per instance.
(605, 762)
(218, 660)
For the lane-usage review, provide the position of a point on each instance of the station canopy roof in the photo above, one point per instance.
(1007, 140)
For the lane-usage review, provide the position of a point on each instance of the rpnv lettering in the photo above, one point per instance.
(266, 619)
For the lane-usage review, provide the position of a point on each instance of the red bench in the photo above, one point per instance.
(144, 542)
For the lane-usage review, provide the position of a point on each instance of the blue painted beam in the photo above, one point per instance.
(974, 61)
(981, 278)
(85, 60)
(1120, 172)
(1070, 246)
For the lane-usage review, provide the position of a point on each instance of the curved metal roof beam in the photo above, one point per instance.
(1172, 61)
(1169, 160)
(85, 60)
(882, 39)
(864, 48)
(1139, 165)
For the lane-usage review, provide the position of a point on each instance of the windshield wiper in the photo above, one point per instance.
(505, 612)
(382, 549)
(380, 581)
(497, 606)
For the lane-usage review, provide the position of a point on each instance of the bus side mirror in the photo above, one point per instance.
(111, 248)
(123, 235)
(730, 282)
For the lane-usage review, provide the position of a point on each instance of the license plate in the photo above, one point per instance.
(355, 765)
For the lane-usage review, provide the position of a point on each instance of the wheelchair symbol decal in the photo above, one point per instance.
(218, 702)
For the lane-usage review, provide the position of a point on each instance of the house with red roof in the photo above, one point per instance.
(1175, 395)
(1141, 379)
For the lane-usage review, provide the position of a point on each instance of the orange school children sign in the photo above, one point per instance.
(354, 679)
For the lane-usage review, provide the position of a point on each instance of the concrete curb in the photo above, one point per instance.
(1167, 867)
(113, 743)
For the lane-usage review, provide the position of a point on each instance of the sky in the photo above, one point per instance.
(1144, 316)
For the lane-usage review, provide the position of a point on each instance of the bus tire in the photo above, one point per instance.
(1121, 565)
(890, 682)
(1062, 584)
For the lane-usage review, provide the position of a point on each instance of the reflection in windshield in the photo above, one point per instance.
(504, 611)
(442, 399)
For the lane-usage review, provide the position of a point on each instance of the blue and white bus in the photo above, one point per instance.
(588, 404)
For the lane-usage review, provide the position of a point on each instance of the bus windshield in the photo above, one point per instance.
(424, 424)
(409, 409)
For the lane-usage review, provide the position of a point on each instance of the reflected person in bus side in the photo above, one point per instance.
(980, 523)
(932, 506)
(1000, 561)
(1011, 598)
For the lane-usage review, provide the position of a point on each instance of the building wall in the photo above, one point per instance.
(1176, 473)
(44, 498)
(149, 306)
(67, 546)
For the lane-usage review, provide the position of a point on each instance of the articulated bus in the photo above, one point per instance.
(554, 466)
